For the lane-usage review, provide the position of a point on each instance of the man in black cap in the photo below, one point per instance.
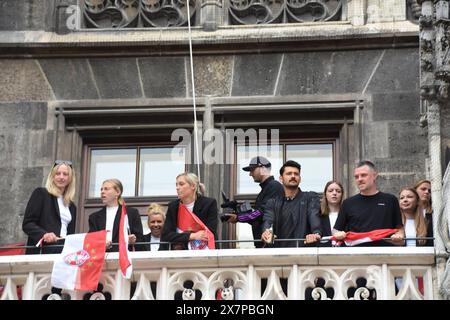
(259, 169)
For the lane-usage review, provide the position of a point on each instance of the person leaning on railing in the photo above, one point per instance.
(50, 214)
(370, 209)
(295, 215)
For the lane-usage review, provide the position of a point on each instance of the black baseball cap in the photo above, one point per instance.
(257, 162)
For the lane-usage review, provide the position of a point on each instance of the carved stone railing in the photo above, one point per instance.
(210, 14)
(283, 11)
(303, 273)
(136, 13)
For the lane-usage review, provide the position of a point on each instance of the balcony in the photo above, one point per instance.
(231, 274)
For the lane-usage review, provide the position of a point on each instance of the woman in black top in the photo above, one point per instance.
(50, 214)
(109, 217)
(189, 196)
(330, 204)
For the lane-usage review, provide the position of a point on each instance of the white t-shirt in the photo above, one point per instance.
(155, 243)
(410, 232)
(190, 206)
(333, 217)
(65, 215)
(110, 217)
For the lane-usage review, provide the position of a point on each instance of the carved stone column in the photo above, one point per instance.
(434, 82)
(211, 14)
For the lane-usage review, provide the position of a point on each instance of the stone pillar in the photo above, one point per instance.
(386, 11)
(211, 14)
(357, 12)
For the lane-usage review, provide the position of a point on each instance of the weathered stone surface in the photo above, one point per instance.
(405, 164)
(326, 72)
(29, 148)
(116, 77)
(396, 106)
(397, 71)
(163, 76)
(212, 75)
(375, 142)
(392, 183)
(71, 79)
(407, 139)
(22, 80)
(20, 183)
(26, 14)
(255, 74)
(24, 115)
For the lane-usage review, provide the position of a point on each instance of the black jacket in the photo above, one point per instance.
(42, 216)
(148, 247)
(97, 222)
(270, 188)
(206, 210)
(305, 221)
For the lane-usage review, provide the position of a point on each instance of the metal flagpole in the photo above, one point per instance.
(191, 60)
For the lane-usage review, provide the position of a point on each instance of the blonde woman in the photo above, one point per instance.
(204, 208)
(108, 218)
(50, 214)
(156, 218)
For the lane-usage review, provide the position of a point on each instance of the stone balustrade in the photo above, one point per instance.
(262, 274)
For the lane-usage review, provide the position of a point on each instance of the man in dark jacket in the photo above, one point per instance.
(295, 215)
(259, 170)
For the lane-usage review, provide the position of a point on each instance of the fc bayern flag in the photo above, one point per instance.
(79, 266)
(124, 255)
(188, 221)
(355, 238)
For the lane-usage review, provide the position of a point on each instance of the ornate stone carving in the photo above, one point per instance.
(414, 10)
(283, 11)
(136, 13)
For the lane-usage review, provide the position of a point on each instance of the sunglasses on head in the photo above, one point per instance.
(66, 162)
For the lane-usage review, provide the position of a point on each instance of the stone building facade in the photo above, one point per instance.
(75, 75)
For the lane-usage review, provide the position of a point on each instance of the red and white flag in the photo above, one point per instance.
(188, 221)
(355, 238)
(124, 255)
(79, 266)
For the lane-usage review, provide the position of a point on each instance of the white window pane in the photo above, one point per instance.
(113, 164)
(317, 164)
(245, 183)
(159, 168)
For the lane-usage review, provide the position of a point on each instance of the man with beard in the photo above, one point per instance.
(295, 215)
(259, 170)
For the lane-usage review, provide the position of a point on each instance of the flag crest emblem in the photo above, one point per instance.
(77, 258)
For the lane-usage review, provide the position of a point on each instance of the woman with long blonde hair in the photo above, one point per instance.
(108, 217)
(50, 214)
(190, 198)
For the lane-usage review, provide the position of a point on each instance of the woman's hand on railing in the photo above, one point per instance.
(50, 237)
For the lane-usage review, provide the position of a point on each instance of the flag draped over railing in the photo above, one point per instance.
(355, 238)
(188, 221)
(79, 266)
(124, 258)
